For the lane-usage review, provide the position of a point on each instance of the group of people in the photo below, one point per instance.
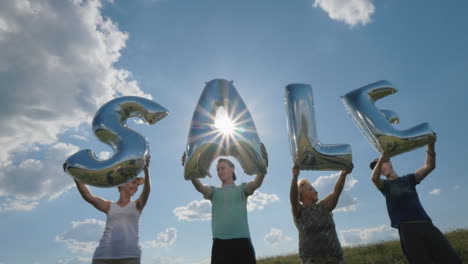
(421, 241)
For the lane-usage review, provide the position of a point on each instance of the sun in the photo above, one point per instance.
(223, 123)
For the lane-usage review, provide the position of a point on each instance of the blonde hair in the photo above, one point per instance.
(300, 186)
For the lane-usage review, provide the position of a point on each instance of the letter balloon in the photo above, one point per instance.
(206, 142)
(376, 125)
(131, 148)
(306, 150)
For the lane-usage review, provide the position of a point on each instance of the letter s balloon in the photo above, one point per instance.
(131, 148)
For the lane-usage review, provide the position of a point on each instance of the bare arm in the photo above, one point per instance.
(255, 184)
(199, 186)
(375, 177)
(202, 188)
(429, 165)
(99, 203)
(141, 201)
(294, 194)
(332, 199)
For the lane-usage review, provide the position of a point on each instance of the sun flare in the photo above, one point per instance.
(223, 123)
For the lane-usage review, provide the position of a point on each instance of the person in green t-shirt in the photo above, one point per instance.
(230, 228)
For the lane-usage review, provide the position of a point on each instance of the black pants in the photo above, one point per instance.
(232, 251)
(423, 243)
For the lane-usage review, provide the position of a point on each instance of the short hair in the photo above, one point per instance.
(230, 164)
(300, 186)
(373, 163)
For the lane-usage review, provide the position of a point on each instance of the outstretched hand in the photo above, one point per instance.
(264, 153)
(348, 170)
(295, 170)
(147, 162)
(432, 144)
(183, 158)
(385, 157)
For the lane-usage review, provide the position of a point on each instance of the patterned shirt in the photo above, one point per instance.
(317, 234)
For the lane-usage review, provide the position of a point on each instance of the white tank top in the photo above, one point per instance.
(120, 237)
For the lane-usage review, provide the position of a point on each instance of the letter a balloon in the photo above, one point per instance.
(206, 142)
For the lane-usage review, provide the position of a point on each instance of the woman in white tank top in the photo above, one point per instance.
(120, 242)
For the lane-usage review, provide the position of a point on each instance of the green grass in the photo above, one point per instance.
(380, 253)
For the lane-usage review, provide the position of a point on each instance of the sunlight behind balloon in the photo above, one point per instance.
(222, 122)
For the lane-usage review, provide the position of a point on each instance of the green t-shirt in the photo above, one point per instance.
(229, 212)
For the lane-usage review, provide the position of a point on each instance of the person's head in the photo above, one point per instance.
(131, 187)
(225, 169)
(306, 191)
(386, 168)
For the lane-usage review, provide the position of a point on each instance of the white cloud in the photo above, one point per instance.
(22, 185)
(168, 260)
(325, 184)
(17, 205)
(351, 12)
(163, 239)
(201, 210)
(258, 200)
(194, 211)
(79, 137)
(370, 235)
(275, 237)
(435, 192)
(56, 69)
(82, 236)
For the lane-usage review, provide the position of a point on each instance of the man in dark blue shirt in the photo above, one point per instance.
(420, 240)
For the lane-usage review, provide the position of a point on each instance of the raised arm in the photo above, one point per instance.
(141, 201)
(254, 184)
(202, 188)
(429, 165)
(257, 182)
(199, 186)
(332, 199)
(294, 195)
(376, 172)
(99, 203)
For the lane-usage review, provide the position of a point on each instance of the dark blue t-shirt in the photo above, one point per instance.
(403, 203)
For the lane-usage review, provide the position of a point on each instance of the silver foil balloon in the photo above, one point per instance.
(376, 125)
(205, 142)
(131, 148)
(306, 150)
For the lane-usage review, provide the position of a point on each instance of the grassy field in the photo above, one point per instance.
(380, 253)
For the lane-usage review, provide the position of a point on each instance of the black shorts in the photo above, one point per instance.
(232, 251)
(423, 243)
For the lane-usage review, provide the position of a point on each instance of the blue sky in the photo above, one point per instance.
(61, 60)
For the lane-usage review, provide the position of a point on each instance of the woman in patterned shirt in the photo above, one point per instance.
(318, 241)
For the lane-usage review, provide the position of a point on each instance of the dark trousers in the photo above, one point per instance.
(423, 243)
(232, 251)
